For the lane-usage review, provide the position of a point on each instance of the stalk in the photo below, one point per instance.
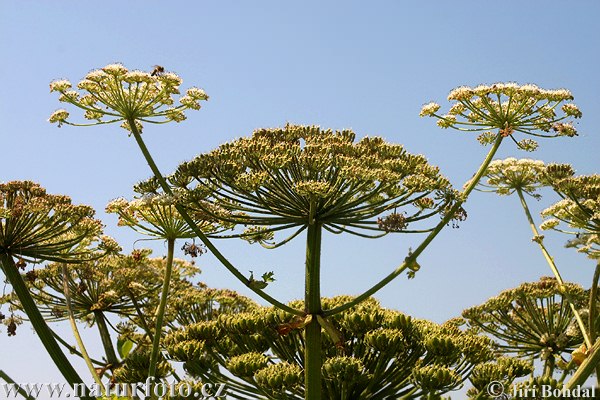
(554, 268)
(312, 302)
(39, 324)
(111, 355)
(165, 187)
(20, 390)
(411, 258)
(76, 334)
(593, 314)
(586, 368)
(160, 310)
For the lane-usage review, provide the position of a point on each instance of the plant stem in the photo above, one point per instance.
(312, 302)
(75, 330)
(165, 187)
(39, 324)
(411, 258)
(586, 368)
(593, 314)
(160, 310)
(20, 390)
(539, 240)
(109, 349)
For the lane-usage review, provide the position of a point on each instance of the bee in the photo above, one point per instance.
(158, 70)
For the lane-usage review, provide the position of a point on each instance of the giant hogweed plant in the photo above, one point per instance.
(308, 179)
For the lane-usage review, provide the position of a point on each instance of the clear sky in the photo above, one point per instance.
(368, 66)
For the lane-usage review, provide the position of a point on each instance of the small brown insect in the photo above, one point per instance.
(31, 276)
(81, 288)
(158, 70)
(21, 264)
(192, 249)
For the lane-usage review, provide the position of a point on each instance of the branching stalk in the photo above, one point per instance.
(411, 258)
(198, 231)
(539, 240)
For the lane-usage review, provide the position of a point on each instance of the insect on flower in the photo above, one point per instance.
(158, 70)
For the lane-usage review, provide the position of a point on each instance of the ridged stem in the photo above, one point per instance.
(312, 301)
(160, 310)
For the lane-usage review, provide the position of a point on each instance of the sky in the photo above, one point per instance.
(337, 64)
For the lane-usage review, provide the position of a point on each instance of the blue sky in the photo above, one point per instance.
(335, 64)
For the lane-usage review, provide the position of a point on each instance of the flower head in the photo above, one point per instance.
(507, 108)
(539, 305)
(156, 215)
(38, 226)
(115, 94)
(287, 177)
(506, 176)
(578, 213)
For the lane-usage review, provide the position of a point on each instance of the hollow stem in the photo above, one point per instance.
(80, 344)
(210, 246)
(160, 310)
(39, 324)
(312, 303)
(411, 258)
(540, 241)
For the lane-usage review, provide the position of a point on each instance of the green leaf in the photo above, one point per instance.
(124, 347)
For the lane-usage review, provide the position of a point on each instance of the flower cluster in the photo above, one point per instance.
(506, 176)
(369, 352)
(579, 211)
(542, 308)
(297, 175)
(156, 215)
(112, 284)
(506, 108)
(115, 94)
(38, 226)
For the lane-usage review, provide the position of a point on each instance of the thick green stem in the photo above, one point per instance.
(312, 302)
(20, 390)
(549, 366)
(593, 303)
(160, 310)
(80, 344)
(192, 224)
(586, 368)
(39, 324)
(593, 313)
(540, 241)
(109, 349)
(411, 258)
